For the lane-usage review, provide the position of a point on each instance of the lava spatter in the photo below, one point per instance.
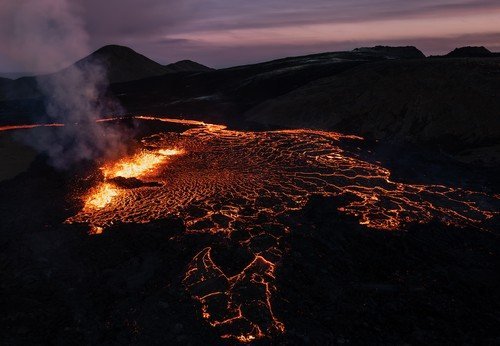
(239, 185)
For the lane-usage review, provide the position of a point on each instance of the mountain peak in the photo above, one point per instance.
(469, 52)
(187, 66)
(114, 48)
(123, 63)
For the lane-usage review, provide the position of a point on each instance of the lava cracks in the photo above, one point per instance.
(234, 304)
(243, 184)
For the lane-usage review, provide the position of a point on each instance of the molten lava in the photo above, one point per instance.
(101, 197)
(241, 185)
(25, 127)
(141, 164)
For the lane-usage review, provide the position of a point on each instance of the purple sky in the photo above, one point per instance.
(222, 33)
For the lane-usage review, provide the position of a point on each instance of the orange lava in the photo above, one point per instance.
(242, 185)
(100, 197)
(203, 276)
(142, 164)
(24, 127)
(95, 230)
(33, 126)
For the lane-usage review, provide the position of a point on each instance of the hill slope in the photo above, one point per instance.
(450, 102)
(187, 66)
(469, 52)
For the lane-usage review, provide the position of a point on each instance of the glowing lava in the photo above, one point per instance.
(25, 127)
(101, 197)
(241, 295)
(242, 185)
(141, 164)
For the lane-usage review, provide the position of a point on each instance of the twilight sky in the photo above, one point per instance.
(222, 33)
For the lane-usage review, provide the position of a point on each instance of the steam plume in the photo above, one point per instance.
(44, 36)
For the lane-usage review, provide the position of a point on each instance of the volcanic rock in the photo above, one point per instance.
(132, 183)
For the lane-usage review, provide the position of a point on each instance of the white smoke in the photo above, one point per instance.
(45, 36)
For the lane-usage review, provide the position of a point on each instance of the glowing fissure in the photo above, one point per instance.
(255, 280)
(101, 197)
(33, 126)
(242, 185)
(140, 165)
(28, 126)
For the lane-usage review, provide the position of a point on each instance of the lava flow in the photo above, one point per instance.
(241, 185)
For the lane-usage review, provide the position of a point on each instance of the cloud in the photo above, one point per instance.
(115, 21)
(240, 14)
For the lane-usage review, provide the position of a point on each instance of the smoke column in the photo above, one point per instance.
(47, 36)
